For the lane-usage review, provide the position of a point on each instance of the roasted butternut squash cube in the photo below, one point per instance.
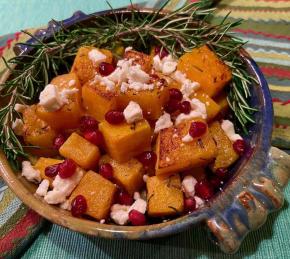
(212, 108)
(174, 155)
(226, 154)
(84, 67)
(97, 100)
(44, 162)
(145, 61)
(99, 194)
(128, 175)
(83, 152)
(199, 173)
(151, 101)
(37, 132)
(69, 115)
(202, 65)
(164, 196)
(124, 141)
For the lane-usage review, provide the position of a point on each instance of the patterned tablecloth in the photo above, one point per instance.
(267, 30)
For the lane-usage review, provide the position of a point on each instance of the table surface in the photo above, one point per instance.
(270, 241)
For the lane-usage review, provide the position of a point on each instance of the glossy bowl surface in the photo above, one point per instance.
(249, 196)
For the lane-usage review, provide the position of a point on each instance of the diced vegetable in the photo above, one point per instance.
(83, 152)
(98, 192)
(164, 197)
(124, 141)
(128, 175)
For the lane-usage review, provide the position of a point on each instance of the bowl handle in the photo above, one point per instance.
(251, 206)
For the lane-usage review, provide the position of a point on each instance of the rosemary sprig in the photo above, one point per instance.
(178, 31)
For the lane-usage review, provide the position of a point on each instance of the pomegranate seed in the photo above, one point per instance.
(124, 198)
(189, 204)
(197, 129)
(67, 168)
(172, 106)
(95, 137)
(175, 94)
(79, 206)
(239, 146)
(114, 117)
(52, 170)
(106, 170)
(185, 107)
(137, 218)
(58, 141)
(106, 69)
(222, 173)
(204, 189)
(148, 159)
(162, 53)
(88, 123)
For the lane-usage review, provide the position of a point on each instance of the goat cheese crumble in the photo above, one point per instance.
(163, 122)
(133, 112)
(188, 186)
(166, 65)
(187, 86)
(30, 173)
(228, 128)
(187, 138)
(42, 188)
(96, 56)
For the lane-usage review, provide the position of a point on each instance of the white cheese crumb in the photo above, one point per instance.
(199, 111)
(199, 202)
(102, 221)
(133, 112)
(96, 56)
(66, 205)
(128, 48)
(17, 127)
(42, 188)
(20, 107)
(49, 98)
(187, 86)
(30, 173)
(136, 195)
(119, 213)
(228, 128)
(63, 187)
(167, 65)
(145, 177)
(136, 74)
(187, 138)
(188, 186)
(71, 82)
(110, 85)
(163, 122)
(65, 94)
(139, 205)
(167, 159)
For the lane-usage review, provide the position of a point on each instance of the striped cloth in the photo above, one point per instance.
(267, 30)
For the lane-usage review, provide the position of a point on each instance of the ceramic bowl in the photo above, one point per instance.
(254, 191)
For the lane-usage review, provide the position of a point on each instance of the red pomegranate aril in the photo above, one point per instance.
(185, 107)
(124, 198)
(88, 123)
(222, 173)
(58, 141)
(114, 117)
(106, 69)
(106, 170)
(197, 129)
(52, 170)
(172, 106)
(79, 206)
(239, 146)
(175, 94)
(147, 159)
(67, 168)
(162, 53)
(189, 204)
(137, 218)
(95, 137)
(204, 189)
